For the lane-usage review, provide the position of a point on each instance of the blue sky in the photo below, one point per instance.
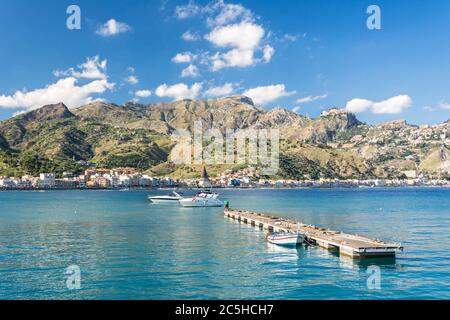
(302, 55)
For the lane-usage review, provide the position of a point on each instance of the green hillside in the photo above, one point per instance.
(334, 145)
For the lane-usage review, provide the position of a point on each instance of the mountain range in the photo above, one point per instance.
(336, 144)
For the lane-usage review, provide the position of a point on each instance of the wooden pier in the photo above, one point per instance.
(349, 245)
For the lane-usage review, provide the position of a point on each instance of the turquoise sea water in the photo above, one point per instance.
(127, 248)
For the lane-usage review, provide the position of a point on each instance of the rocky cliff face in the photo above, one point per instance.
(229, 113)
(46, 113)
(15, 129)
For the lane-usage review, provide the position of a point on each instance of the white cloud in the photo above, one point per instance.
(312, 98)
(267, 94)
(220, 91)
(268, 53)
(113, 27)
(187, 11)
(292, 37)
(190, 36)
(190, 71)
(93, 68)
(64, 90)
(185, 57)
(358, 105)
(217, 12)
(243, 36)
(392, 105)
(143, 93)
(179, 91)
(221, 13)
(18, 113)
(233, 30)
(242, 39)
(444, 105)
(132, 79)
(296, 109)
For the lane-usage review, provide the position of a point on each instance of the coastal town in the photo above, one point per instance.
(129, 178)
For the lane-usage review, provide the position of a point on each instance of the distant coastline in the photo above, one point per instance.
(229, 188)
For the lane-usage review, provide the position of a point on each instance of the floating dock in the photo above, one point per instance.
(349, 245)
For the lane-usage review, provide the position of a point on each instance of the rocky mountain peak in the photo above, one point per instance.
(394, 125)
(242, 99)
(48, 112)
(346, 118)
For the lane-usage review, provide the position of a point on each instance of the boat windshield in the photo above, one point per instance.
(205, 194)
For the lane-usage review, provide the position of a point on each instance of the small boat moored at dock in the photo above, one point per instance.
(286, 239)
(350, 245)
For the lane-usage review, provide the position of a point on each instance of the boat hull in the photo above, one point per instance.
(190, 203)
(165, 201)
(287, 240)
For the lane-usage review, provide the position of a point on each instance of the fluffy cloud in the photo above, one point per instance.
(392, 105)
(243, 36)
(268, 53)
(312, 98)
(191, 71)
(216, 12)
(93, 68)
(221, 13)
(220, 91)
(179, 91)
(358, 105)
(67, 90)
(132, 79)
(444, 105)
(292, 37)
(190, 36)
(187, 11)
(143, 93)
(267, 94)
(185, 57)
(112, 28)
(296, 109)
(233, 30)
(243, 39)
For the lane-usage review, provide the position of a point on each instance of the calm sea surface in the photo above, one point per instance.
(127, 248)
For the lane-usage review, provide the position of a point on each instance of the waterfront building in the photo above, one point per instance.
(112, 179)
(47, 180)
(102, 182)
(6, 183)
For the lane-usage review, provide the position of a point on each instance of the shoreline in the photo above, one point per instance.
(226, 188)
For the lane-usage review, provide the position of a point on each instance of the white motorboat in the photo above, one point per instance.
(174, 197)
(202, 199)
(286, 239)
